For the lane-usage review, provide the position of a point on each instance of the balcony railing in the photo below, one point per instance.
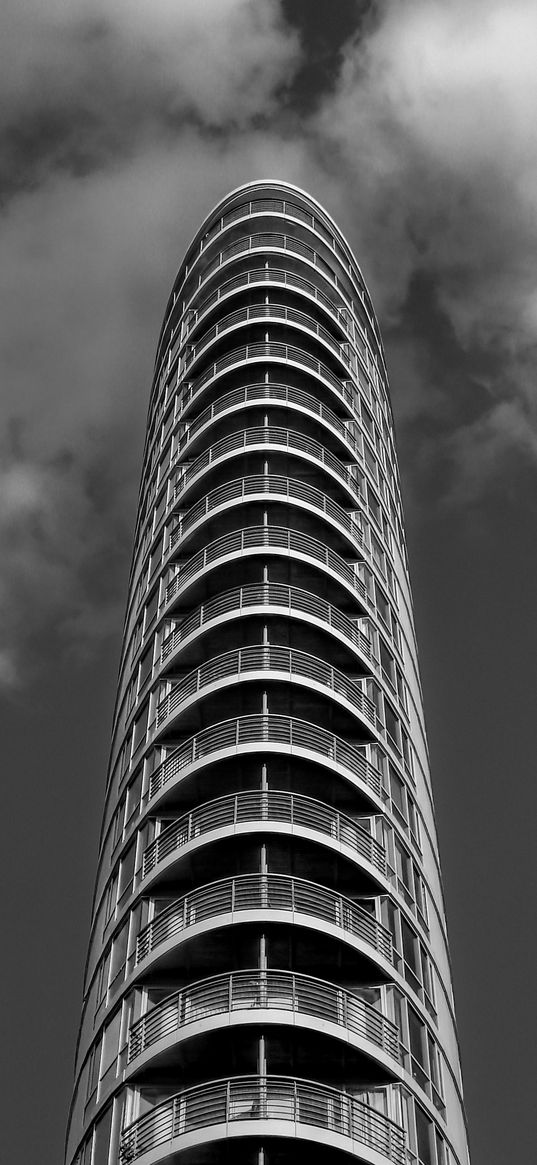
(286, 662)
(266, 537)
(283, 731)
(271, 892)
(296, 1104)
(280, 393)
(291, 599)
(267, 485)
(261, 807)
(255, 989)
(335, 308)
(264, 311)
(270, 350)
(287, 439)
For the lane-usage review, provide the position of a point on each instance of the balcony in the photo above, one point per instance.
(262, 809)
(256, 896)
(254, 990)
(260, 487)
(334, 306)
(274, 313)
(255, 599)
(286, 440)
(285, 664)
(278, 394)
(288, 354)
(258, 539)
(252, 733)
(264, 1106)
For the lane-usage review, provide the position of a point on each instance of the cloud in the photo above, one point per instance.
(434, 115)
(121, 126)
(86, 83)
(432, 119)
(115, 123)
(85, 267)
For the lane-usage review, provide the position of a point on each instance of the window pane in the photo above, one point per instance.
(424, 1130)
(101, 1149)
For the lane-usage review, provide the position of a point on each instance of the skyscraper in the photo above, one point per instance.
(268, 975)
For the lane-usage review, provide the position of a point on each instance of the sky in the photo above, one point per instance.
(121, 124)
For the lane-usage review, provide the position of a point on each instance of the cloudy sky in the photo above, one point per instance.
(121, 123)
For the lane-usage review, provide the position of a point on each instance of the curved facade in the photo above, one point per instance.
(268, 970)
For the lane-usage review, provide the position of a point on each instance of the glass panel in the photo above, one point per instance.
(424, 1129)
(101, 1149)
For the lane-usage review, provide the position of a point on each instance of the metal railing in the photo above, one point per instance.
(256, 989)
(272, 892)
(338, 311)
(261, 657)
(285, 731)
(281, 393)
(266, 240)
(292, 599)
(265, 1098)
(267, 537)
(268, 350)
(263, 806)
(264, 311)
(265, 485)
(261, 435)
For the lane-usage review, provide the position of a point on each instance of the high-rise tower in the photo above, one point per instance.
(268, 977)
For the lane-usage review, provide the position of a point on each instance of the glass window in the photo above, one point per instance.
(404, 871)
(434, 1065)
(392, 724)
(416, 1032)
(441, 1154)
(127, 869)
(133, 795)
(367, 421)
(101, 1146)
(383, 606)
(374, 504)
(398, 794)
(103, 975)
(111, 895)
(140, 726)
(424, 1131)
(387, 662)
(119, 953)
(156, 555)
(95, 1065)
(410, 954)
(111, 1042)
(151, 608)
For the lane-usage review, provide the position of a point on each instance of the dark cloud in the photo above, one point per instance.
(121, 128)
(85, 84)
(432, 120)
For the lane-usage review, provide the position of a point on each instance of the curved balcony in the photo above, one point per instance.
(264, 241)
(263, 808)
(286, 440)
(255, 990)
(263, 485)
(276, 313)
(279, 394)
(274, 350)
(291, 736)
(284, 663)
(274, 277)
(256, 598)
(279, 1106)
(294, 246)
(259, 539)
(279, 896)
